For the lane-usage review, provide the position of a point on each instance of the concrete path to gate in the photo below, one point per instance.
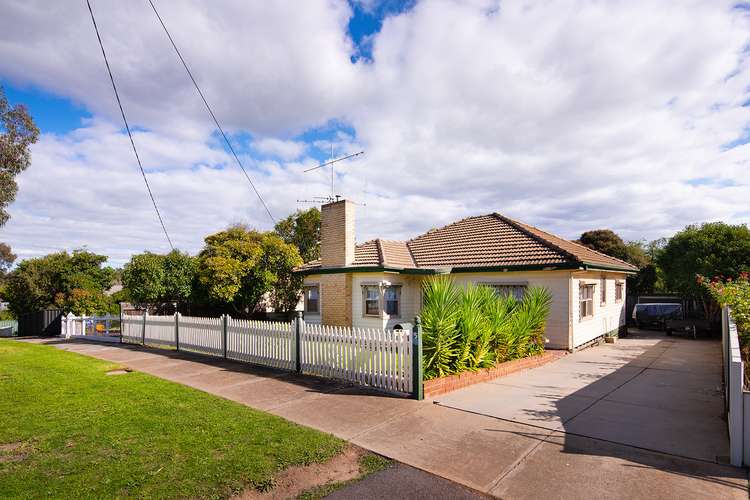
(638, 419)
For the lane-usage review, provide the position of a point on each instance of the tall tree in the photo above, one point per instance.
(605, 241)
(51, 280)
(17, 134)
(302, 229)
(239, 266)
(7, 257)
(143, 278)
(713, 249)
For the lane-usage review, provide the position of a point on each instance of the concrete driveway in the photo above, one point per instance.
(647, 391)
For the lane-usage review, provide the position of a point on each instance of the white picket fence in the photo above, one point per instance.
(377, 358)
(368, 356)
(262, 342)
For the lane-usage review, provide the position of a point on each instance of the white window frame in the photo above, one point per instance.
(590, 308)
(365, 287)
(305, 289)
(619, 289)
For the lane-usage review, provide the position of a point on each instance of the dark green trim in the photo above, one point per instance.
(363, 269)
(527, 267)
(480, 269)
(599, 267)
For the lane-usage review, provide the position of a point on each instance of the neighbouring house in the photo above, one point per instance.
(379, 283)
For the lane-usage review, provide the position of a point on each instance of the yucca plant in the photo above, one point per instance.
(529, 320)
(500, 313)
(440, 314)
(475, 332)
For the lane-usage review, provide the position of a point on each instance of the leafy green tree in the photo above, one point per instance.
(7, 257)
(302, 229)
(144, 278)
(605, 241)
(713, 249)
(179, 276)
(80, 301)
(239, 266)
(41, 282)
(17, 134)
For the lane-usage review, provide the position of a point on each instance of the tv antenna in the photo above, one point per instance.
(333, 197)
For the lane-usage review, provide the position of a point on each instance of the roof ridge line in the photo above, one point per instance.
(381, 254)
(544, 241)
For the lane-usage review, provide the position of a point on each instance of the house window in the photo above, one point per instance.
(392, 301)
(586, 298)
(619, 289)
(604, 290)
(517, 291)
(312, 299)
(371, 299)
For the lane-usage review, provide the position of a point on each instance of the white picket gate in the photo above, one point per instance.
(366, 356)
(261, 342)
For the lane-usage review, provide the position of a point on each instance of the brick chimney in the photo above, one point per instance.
(337, 234)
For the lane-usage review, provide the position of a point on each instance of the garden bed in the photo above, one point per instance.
(443, 385)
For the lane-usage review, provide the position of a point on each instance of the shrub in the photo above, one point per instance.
(736, 295)
(465, 329)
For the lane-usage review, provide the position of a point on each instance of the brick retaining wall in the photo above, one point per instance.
(443, 385)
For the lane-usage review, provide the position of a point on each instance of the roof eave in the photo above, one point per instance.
(591, 266)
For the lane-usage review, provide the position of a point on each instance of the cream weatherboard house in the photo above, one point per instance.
(379, 283)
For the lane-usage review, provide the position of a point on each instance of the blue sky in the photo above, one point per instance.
(571, 116)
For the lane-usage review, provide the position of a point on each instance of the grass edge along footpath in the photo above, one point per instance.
(69, 430)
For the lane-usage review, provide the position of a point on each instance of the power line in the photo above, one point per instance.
(127, 127)
(210, 111)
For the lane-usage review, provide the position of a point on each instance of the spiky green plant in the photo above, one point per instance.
(500, 313)
(475, 328)
(529, 320)
(440, 314)
(471, 328)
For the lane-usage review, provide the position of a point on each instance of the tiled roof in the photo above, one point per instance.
(489, 240)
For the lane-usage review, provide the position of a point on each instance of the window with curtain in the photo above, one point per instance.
(371, 299)
(517, 291)
(586, 301)
(392, 300)
(312, 299)
(619, 289)
(603, 287)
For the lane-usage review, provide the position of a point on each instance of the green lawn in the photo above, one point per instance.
(69, 430)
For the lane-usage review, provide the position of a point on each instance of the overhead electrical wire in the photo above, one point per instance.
(210, 111)
(127, 126)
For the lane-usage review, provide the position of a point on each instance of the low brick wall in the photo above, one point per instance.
(443, 385)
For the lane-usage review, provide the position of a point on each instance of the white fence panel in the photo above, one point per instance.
(160, 330)
(132, 328)
(374, 357)
(261, 342)
(202, 335)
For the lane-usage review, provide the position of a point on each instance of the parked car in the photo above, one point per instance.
(656, 314)
(688, 327)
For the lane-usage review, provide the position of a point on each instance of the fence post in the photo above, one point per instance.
(122, 326)
(224, 335)
(298, 325)
(416, 360)
(143, 333)
(177, 330)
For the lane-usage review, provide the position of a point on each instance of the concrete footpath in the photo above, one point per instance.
(490, 451)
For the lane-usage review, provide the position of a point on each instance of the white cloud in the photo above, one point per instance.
(568, 115)
(285, 150)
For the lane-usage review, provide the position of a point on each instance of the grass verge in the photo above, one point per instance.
(68, 430)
